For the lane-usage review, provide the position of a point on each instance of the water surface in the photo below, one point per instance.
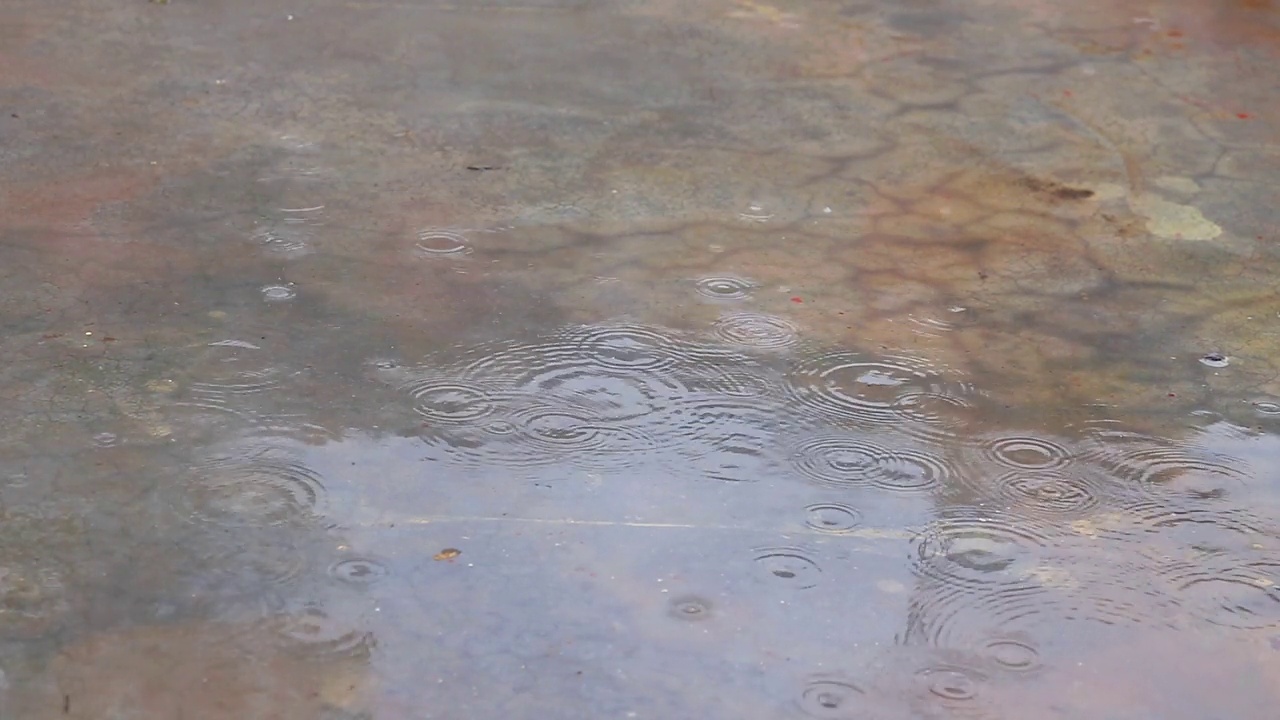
(380, 360)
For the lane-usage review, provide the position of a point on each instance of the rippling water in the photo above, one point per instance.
(725, 359)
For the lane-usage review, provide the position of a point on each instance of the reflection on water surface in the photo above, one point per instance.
(378, 360)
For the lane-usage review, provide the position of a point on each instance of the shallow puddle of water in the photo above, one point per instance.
(380, 360)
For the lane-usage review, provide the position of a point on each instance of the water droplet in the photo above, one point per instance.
(384, 364)
(754, 330)
(257, 491)
(951, 683)
(1026, 452)
(105, 440)
(358, 571)
(278, 293)
(725, 288)
(1047, 493)
(1013, 655)
(850, 462)
(830, 698)
(789, 565)
(831, 518)
(437, 242)
(1215, 360)
(690, 608)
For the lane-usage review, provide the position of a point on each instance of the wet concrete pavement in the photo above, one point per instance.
(639, 359)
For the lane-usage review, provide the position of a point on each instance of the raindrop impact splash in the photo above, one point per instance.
(358, 571)
(105, 440)
(291, 233)
(446, 402)
(830, 698)
(689, 608)
(951, 683)
(978, 549)
(312, 631)
(1048, 493)
(1026, 452)
(629, 347)
(851, 462)
(831, 518)
(1215, 360)
(936, 412)
(278, 293)
(756, 331)
(441, 242)
(1160, 466)
(257, 491)
(1245, 597)
(724, 288)
(1012, 655)
(851, 387)
(790, 566)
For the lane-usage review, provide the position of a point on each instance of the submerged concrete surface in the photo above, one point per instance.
(639, 359)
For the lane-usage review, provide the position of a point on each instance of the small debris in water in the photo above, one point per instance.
(447, 554)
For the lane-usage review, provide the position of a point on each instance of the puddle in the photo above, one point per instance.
(637, 359)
